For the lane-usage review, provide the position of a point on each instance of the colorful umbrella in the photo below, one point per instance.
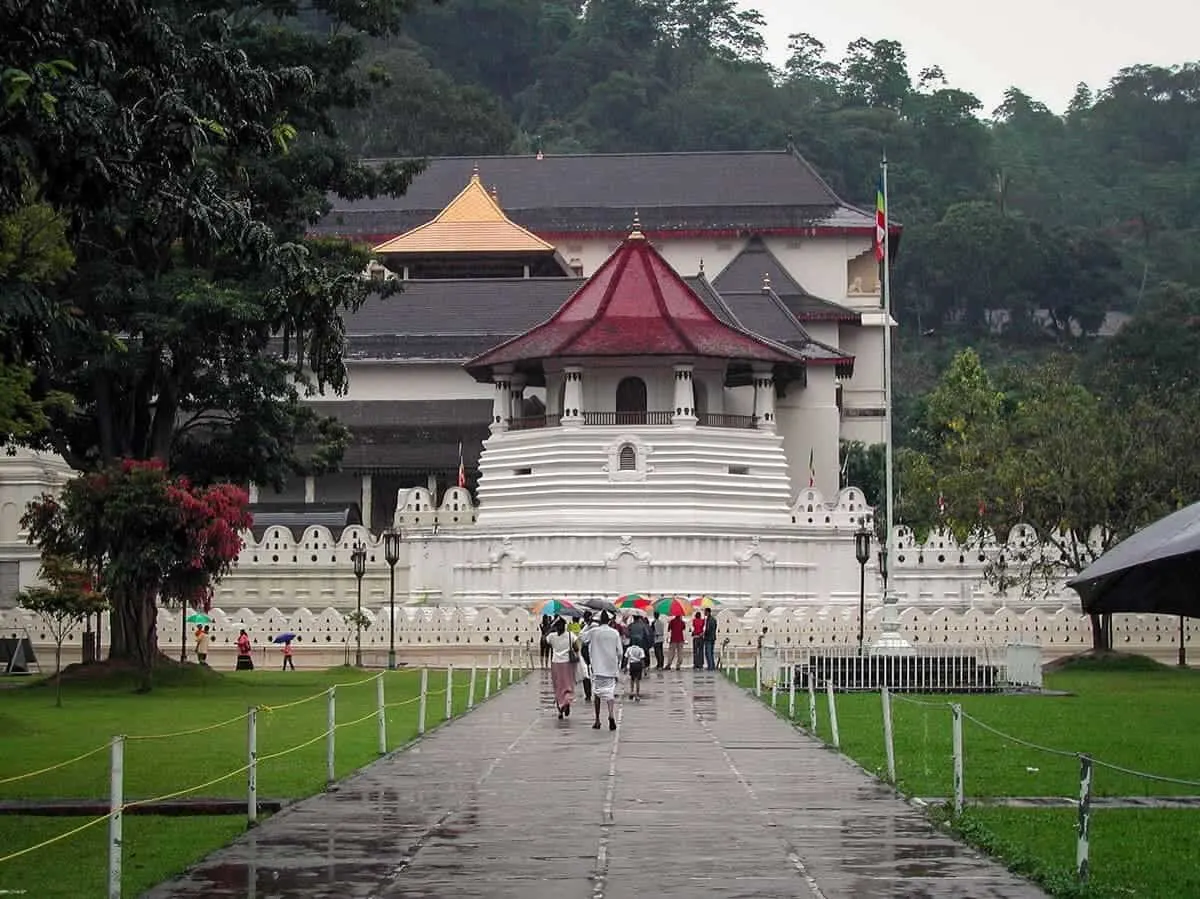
(634, 601)
(674, 605)
(705, 602)
(285, 638)
(556, 607)
(198, 618)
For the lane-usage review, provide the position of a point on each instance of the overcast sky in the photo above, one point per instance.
(1044, 47)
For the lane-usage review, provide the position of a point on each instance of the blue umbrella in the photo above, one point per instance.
(284, 638)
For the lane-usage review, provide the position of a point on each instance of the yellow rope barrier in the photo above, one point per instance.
(78, 758)
(187, 733)
(55, 839)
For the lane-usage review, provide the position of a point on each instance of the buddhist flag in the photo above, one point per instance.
(812, 469)
(941, 504)
(880, 220)
(462, 471)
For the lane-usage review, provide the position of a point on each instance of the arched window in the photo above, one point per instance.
(631, 402)
(628, 458)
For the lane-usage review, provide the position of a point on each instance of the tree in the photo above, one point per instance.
(148, 537)
(63, 606)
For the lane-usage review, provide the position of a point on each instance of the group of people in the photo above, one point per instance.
(571, 653)
(245, 661)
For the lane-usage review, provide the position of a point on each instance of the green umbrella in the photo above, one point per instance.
(198, 618)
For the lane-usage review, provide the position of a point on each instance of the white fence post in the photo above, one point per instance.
(1084, 835)
(888, 743)
(833, 722)
(381, 714)
(775, 692)
(812, 704)
(471, 690)
(331, 737)
(958, 758)
(758, 675)
(792, 691)
(424, 701)
(487, 679)
(116, 802)
(252, 762)
(449, 692)
(510, 665)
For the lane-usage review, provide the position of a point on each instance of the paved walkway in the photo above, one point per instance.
(701, 792)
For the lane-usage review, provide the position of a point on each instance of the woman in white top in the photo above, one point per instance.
(562, 669)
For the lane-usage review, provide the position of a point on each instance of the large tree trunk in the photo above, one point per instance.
(134, 636)
(1101, 632)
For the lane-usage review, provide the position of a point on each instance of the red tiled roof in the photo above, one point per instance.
(634, 305)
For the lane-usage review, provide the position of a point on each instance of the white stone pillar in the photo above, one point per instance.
(685, 396)
(365, 499)
(572, 396)
(253, 491)
(501, 409)
(516, 397)
(310, 490)
(764, 398)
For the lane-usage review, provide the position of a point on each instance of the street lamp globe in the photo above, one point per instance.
(391, 546)
(359, 557)
(862, 544)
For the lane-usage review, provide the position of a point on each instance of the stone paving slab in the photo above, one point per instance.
(701, 791)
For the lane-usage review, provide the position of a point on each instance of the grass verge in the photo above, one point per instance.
(209, 710)
(1125, 712)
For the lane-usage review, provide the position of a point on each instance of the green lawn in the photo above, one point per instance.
(1142, 717)
(35, 734)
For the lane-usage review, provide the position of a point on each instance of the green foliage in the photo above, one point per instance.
(144, 538)
(181, 170)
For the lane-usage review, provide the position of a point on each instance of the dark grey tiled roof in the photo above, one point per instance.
(461, 319)
(745, 274)
(411, 435)
(405, 414)
(587, 193)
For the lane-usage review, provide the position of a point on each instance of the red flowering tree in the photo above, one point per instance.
(149, 538)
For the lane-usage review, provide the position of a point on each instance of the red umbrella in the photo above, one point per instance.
(674, 605)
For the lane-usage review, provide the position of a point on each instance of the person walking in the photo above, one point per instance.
(585, 661)
(635, 661)
(697, 642)
(675, 630)
(244, 661)
(660, 634)
(288, 661)
(562, 667)
(543, 646)
(202, 639)
(604, 649)
(710, 640)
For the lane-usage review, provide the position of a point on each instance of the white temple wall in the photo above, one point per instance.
(24, 477)
(376, 380)
(827, 333)
(808, 421)
(819, 264)
(683, 254)
(572, 475)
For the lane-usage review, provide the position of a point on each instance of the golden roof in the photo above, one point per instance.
(473, 222)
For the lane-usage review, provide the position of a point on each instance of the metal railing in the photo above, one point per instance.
(724, 420)
(628, 418)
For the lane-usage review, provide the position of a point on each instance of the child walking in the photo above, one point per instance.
(635, 659)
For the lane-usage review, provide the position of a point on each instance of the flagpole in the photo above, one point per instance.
(890, 639)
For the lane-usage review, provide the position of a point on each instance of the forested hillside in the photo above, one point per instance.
(1014, 209)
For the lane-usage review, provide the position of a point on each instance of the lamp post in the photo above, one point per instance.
(391, 552)
(359, 556)
(862, 552)
(1182, 644)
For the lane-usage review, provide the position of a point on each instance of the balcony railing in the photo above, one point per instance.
(627, 418)
(705, 419)
(722, 420)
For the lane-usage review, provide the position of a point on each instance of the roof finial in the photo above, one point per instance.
(475, 172)
(766, 281)
(496, 194)
(702, 265)
(636, 233)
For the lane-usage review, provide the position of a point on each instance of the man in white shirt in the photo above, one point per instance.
(604, 652)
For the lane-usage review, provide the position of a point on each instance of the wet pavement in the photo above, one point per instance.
(701, 792)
